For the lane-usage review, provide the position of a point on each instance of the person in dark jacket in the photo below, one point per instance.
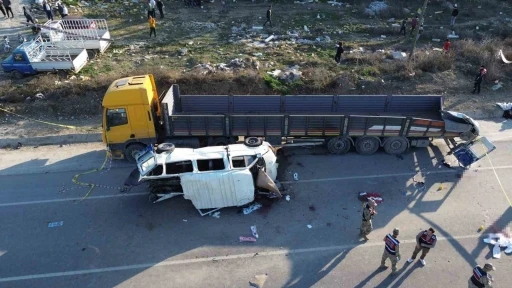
(269, 16)
(402, 27)
(455, 13)
(28, 15)
(2, 8)
(63, 10)
(48, 10)
(479, 78)
(7, 5)
(160, 6)
(339, 51)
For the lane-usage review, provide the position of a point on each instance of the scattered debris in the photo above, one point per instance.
(254, 231)
(183, 51)
(247, 239)
(216, 215)
(55, 224)
(269, 38)
(309, 226)
(296, 176)
(290, 74)
(497, 85)
(399, 55)
(258, 280)
(312, 208)
(375, 8)
(503, 58)
(365, 196)
(505, 106)
(185, 220)
(252, 208)
(436, 39)
(481, 228)
(306, 28)
(287, 198)
(18, 146)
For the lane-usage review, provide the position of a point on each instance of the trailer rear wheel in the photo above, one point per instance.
(165, 147)
(339, 145)
(253, 142)
(396, 145)
(221, 141)
(132, 150)
(367, 145)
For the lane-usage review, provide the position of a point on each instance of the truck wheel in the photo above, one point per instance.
(396, 145)
(253, 142)
(367, 145)
(132, 150)
(221, 141)
(165, 147)
(91, 54)
(339, 145)
(16, 74)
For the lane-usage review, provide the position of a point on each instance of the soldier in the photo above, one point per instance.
(391, 250)
(366, 224)
(481, 278)
(425, 240)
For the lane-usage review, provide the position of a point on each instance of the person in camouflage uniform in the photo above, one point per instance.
(368, 212)
(391, 250)
(481, 278)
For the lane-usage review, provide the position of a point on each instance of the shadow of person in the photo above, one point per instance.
(396, 280)
(370, 277)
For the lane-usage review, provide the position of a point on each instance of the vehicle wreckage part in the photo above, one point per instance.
(264, 181)
(132, 150)
(396, 145)
(162, 197)
(339, 145)
(165, 147)
(221, 141)
(253, 142)
(367, 145)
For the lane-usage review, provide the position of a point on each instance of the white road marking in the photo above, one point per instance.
(219, 258)
(71, 199)
(284, 182)
(396, 174)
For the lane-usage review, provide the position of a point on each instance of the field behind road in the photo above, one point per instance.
(112, 239)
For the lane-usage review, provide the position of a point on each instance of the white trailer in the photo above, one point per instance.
(90, 34)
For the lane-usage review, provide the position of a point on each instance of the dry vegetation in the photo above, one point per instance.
(370, 72)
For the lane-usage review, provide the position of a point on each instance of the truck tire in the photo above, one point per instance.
(253, 142)
(396, 145)
(165, 147)
(221, 141)
(367, 145)
(339, 145)
(16, 74)
(132, 150)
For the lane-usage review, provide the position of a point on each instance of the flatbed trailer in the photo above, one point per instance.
(394, 122)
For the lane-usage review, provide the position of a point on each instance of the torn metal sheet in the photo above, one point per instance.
(503, 58)
(264, 181)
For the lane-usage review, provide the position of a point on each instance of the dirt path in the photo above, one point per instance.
(9, 26)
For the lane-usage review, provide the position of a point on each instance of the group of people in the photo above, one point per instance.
(425, 240)
(152, 4)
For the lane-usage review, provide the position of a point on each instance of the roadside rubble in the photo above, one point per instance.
(258, 281)
(375, 8)
(290, 74)
(233, 65)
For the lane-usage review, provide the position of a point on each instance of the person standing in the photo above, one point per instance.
(151, 9)
(2, 8)
(419, 32)
(339, 51)
(366, 223)
(391, 250)
(414, 23)
(152, 26)
(479, 78)
(425, 241)
(63, 10)
(7, 5)
(402, 27)
(269, 16)
(160, 6)
(455, 13)
(48, 10)
(28, 15)
(446, 46)
(481, 277)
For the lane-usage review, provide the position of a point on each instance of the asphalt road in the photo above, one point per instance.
(112, 239)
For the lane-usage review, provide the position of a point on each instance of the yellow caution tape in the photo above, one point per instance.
(31, 119)
(497, 178)
(91, 185)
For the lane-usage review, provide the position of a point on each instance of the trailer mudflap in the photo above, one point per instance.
(474, 151)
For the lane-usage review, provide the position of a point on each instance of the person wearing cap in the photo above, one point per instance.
(479, 78)
(481, 277)
(391, 250)
(368, 212)
(455, 13)
(425, 240)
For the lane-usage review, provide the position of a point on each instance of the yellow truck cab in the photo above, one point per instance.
(130, 115)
